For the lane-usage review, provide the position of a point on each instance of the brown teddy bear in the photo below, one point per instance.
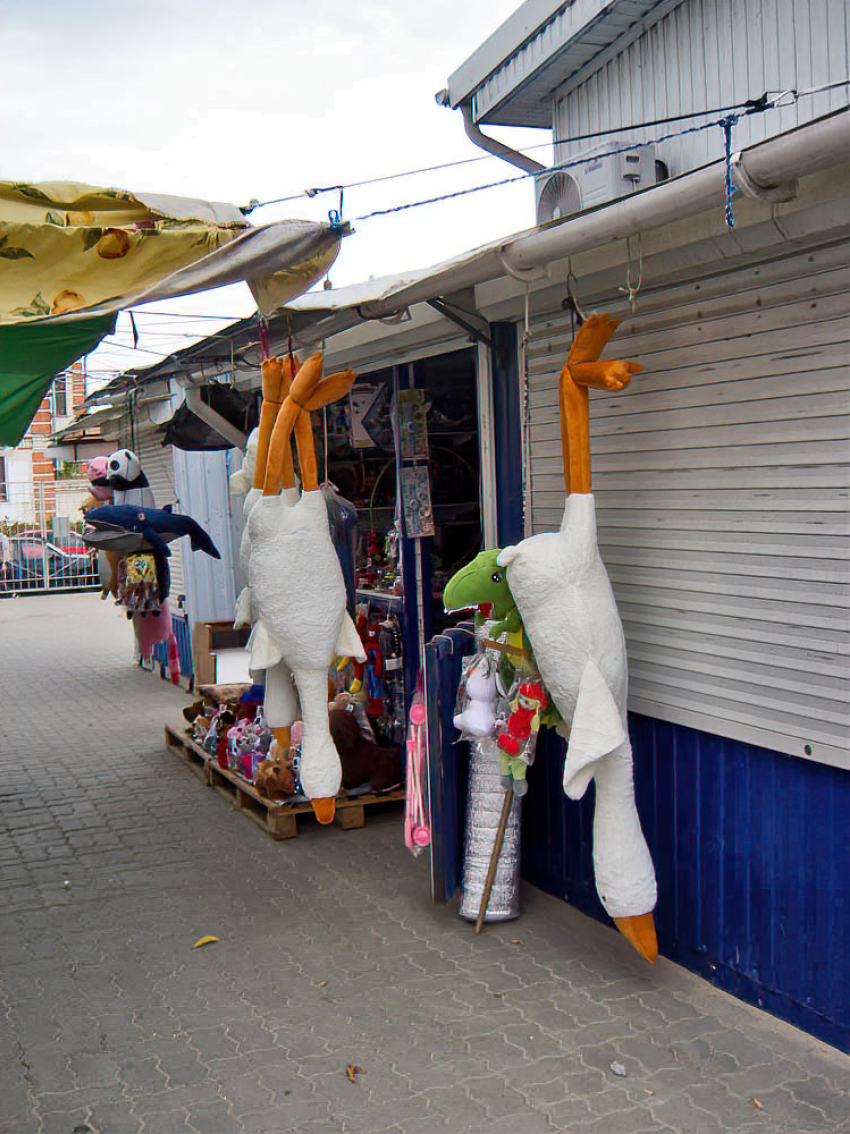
(274, 778)
(363, 761)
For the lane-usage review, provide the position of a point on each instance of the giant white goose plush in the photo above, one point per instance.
(297, 587)
(280, 703)
(564, 596)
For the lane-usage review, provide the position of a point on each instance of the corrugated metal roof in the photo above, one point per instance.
(510, 79)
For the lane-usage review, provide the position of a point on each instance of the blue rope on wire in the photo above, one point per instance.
(726, 125)
(575, 163)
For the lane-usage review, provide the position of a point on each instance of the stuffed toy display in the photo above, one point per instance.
(476, 704)
(128, 528)
(128, 482)
(100, 493)
(297, 591)
(363, 761)
(131, 536)
(564, 599)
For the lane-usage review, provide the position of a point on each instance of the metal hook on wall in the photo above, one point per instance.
(570, 301)
(632, 289)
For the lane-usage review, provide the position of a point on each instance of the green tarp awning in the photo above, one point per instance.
(31, 354)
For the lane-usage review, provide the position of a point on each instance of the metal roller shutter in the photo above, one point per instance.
(721, 479)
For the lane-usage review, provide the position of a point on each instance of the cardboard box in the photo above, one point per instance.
(210, 638)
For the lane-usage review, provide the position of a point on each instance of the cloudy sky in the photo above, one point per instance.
(258, 101)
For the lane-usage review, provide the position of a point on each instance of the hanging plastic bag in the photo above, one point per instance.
(517, 737)
(475, 708)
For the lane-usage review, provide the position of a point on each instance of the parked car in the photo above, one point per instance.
(72, 543)
(30, 553)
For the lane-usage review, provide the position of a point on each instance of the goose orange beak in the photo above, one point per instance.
(324, 808)
(639, 931)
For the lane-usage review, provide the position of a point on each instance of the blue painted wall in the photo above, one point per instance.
(448, 758)
(751, 847)
(752, 853)
(507, 442)
(184, 647)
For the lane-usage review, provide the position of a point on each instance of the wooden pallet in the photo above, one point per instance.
(280, 820)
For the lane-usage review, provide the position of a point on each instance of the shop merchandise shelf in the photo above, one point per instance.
(279, 820)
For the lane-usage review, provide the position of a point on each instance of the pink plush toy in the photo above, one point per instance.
(152, 628)
(96, 473)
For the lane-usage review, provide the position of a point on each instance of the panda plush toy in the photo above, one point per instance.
(128, 483)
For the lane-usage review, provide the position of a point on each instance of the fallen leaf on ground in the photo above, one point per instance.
(204, 941)
(352, 1071)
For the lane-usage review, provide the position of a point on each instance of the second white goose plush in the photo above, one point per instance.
(562, 591)
(297, 587)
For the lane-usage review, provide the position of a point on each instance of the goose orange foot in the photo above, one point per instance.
(639, 931)
(324, 809)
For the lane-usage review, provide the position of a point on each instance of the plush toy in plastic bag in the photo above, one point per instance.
(137, 583)
(475, 709)
(517, 739)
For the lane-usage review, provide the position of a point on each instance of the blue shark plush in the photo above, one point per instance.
(127, 528)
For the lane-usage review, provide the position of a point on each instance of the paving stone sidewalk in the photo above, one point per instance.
(114, 860)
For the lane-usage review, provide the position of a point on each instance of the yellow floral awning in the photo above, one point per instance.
(72, 256)
(79, 248)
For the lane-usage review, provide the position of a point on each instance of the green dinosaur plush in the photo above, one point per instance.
(483, 581)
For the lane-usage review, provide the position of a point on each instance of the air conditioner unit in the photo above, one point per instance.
(606, 172)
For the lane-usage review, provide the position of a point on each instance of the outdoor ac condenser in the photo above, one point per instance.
(605, 173)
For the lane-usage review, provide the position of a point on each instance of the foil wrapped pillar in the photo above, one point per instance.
(484, 806)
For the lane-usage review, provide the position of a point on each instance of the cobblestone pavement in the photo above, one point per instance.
(114, 860)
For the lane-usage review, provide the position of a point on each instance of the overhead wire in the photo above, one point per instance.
(723, 123)
(748, 106)
(731, 115)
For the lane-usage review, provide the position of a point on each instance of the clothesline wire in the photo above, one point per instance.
(723, 123)
(749, 106)
(185, 315)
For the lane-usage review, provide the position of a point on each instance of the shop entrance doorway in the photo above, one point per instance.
(400, 574)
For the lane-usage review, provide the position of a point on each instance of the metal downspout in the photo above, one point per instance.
(498, 149)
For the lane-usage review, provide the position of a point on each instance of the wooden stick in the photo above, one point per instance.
(494, 857)
(506, 648)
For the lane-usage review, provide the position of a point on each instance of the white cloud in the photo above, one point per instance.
(257, 102)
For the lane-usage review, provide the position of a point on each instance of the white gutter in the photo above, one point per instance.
(805, 150)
